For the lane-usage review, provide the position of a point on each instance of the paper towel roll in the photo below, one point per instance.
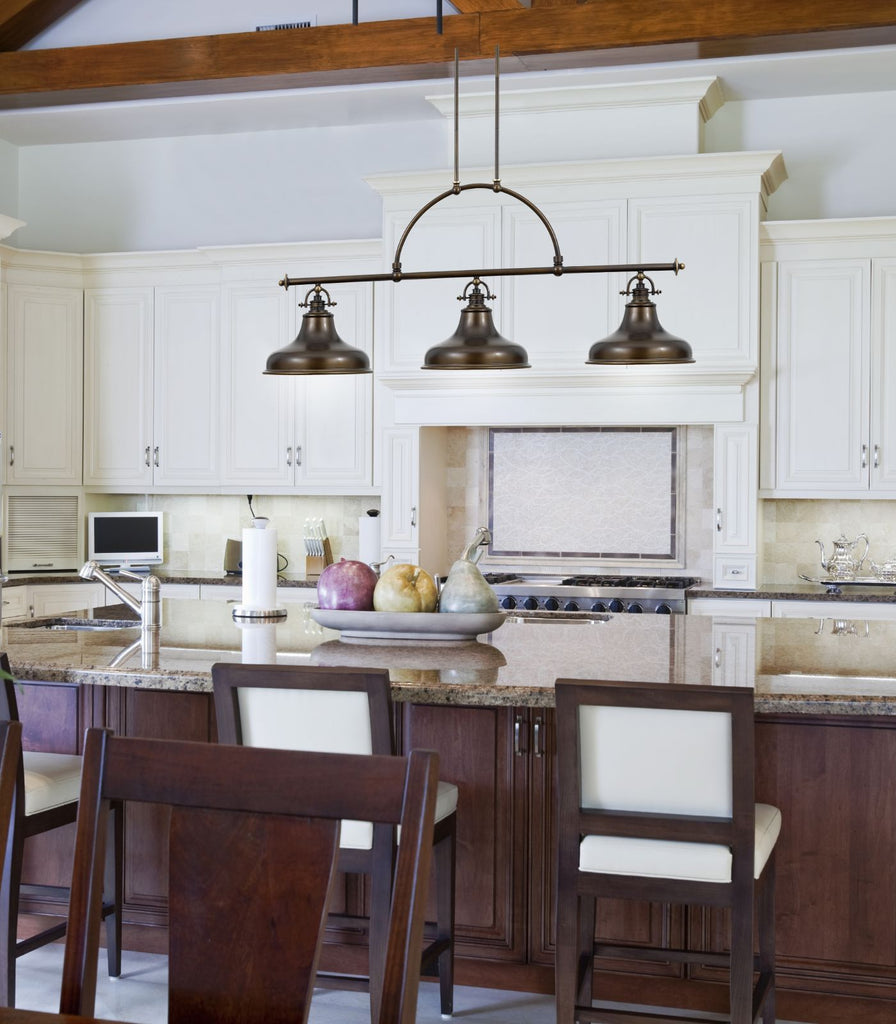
(259, 567)
(259, 642)
(368, 539)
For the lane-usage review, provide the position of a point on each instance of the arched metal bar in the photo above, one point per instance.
(456, 190)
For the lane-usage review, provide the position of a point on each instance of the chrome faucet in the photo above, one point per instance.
(147, 607)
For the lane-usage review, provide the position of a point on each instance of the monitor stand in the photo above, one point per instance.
(138, 570)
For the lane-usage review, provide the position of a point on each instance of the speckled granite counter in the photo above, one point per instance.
(800, 667)
(873, 594)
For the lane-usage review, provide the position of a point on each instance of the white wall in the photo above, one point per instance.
(306, 185)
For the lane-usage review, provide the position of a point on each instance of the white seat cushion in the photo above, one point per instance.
(358, 835)
(51, 780)
(661, 858)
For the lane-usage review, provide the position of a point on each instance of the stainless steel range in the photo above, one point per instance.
(660, 595)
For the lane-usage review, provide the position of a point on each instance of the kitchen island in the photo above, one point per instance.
(826, 755)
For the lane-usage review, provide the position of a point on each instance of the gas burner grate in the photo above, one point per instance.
(647, 582)
(501, 577)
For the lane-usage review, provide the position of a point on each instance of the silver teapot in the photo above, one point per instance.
(844, 563)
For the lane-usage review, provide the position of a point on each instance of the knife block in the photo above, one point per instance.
(315, 564)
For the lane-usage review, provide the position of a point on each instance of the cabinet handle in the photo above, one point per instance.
(536, 738)
(717, 660)
(298, 455)
(12, 455)
(876, 462)
(289, 455)
(414, 515)
(517, 729)
(146, 456)
(155, 456)
(734, 572)
(718, 520)
(864, 456)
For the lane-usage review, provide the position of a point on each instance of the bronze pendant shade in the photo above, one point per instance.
(641, 337)
(476, 344)
(317, 348)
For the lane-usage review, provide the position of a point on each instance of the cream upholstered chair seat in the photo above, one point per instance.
(663, 858)
(358, 835)
(51, 780)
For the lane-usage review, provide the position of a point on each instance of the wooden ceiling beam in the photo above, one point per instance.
(22, 20)
(580, 35)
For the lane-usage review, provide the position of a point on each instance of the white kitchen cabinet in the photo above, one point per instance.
(15, 603)
(59, 598)
(309, 433)
(851, 610)
(44, 387)
(734, 652)
(735, 534)
(829, 362)
(152, 386)
(730, 607)
(173, 591)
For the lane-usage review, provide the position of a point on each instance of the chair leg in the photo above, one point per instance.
(112, 887)
(741, 970)
(378, 925)
(766, 929)
(585, 950)
(573, 960)
(9, 913)
(444, 869)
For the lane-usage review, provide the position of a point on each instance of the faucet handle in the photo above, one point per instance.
(131, 575)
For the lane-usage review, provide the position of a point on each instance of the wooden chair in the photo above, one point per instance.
(47, 787)
(655, 802)
(345, 711)
(253, 842)
(10, 757)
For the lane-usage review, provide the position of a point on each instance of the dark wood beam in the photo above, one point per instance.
(578, 35)
(22, 20)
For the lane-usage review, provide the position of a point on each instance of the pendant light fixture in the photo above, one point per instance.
(476, 344)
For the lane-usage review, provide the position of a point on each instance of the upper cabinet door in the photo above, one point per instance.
(713, 302)
(557, 320)
(419, 314)
(822, 376)
(187, 386)
(118, 438)
(883, 376)
(258, 437)
(44, 384)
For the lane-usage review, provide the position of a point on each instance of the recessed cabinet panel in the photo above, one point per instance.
(557, 320)
(883, 376)
(118, 386)
(712, 303)
(822, 375)
(187, 386)
(44, 385)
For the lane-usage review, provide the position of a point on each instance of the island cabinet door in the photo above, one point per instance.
(476, 752)
(835, 899)
(152, 714)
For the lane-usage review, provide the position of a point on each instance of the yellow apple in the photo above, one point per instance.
(405, 588)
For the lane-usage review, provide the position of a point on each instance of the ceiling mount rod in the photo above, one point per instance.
(456, 122)
(497, 112)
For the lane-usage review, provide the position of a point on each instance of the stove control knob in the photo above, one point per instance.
(531, 603)
(663, 609)
(616, 605)
(635, 607)
(570, 606)
(598, 606)
(508, 602)
(551, 604)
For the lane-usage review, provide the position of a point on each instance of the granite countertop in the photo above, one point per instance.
(801, 668)
(873, 593)
(284, 579)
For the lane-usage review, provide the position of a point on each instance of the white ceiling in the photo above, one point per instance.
(856, 70)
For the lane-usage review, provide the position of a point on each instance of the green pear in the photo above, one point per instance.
(465, 589)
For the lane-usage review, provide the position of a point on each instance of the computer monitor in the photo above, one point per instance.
(131, 540)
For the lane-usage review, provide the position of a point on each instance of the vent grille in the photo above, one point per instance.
(283, 25)
(42, 532)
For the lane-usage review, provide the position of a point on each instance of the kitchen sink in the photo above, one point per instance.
(68, 623)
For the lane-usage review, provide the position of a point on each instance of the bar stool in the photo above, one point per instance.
(346, 710)
(655, 797)
(46, 798)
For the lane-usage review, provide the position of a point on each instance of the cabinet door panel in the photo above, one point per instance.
(475, 752)
(44, 390)
(118, 386)
(883, 377)
(822, 375)
(187, 386)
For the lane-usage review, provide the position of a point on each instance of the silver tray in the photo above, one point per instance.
(858, 581)
(418, 626)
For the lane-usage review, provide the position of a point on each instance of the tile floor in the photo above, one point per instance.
(139, 995)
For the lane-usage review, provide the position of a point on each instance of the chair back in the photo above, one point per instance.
(330, 710)
(9, 707)
(656, 761)
(10, 770)
(252, 846)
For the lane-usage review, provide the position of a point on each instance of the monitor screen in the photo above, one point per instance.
(128, 539)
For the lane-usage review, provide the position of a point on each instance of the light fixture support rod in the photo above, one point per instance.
(497, 120)
(432, 275)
